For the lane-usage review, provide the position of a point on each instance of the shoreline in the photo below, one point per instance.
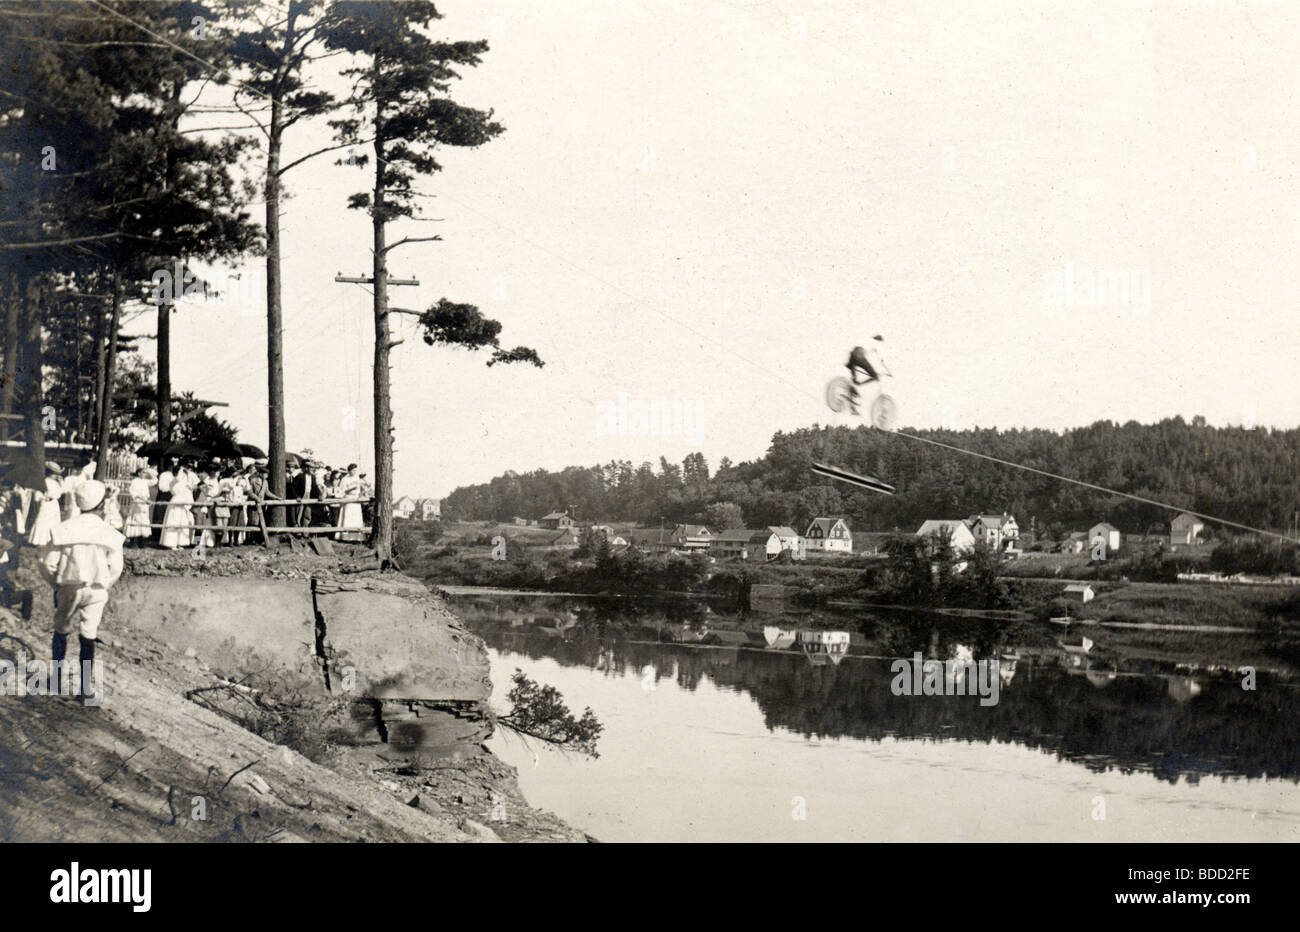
(174, 726)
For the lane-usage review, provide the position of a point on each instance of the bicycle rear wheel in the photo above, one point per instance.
(884, 413)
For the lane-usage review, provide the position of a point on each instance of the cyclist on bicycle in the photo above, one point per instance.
(865, 362)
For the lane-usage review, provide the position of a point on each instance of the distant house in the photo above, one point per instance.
(997, 532)
(1185, 529)
(691, 537)
(404, 507)
(731, 544)
(1108, 533)
(829, 535)
(790, 540)
(963, 539)
(555, 520)
(650, 540)
(1078, 592)
(762, 545)
(518, 521)
(1075, 542)
(429, 509)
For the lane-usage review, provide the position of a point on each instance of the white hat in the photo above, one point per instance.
(89, 494)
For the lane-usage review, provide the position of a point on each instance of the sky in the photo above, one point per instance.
(1053, 213)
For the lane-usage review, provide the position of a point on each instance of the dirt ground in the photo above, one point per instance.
(150, 764)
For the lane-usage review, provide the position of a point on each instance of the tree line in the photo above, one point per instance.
(121, 171)
(1247, 476)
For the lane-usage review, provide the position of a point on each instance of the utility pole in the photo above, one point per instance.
(381, 534)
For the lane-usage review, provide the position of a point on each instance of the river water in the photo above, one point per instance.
(709, 735)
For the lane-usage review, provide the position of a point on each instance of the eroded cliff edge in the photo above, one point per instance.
(279, 696)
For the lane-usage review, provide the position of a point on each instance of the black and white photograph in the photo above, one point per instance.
(679, 421)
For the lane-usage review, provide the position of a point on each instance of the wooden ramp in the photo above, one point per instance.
(843, 475)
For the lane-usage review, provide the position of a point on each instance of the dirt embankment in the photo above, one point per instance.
(229, 716)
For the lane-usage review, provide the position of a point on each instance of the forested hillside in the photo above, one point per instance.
(1249, 476)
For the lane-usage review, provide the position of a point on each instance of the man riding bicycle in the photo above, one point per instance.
(864, 362)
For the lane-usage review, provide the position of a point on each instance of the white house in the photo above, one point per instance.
(762, 545)
(790, 540)
(732, 544)
(1185, 529)
(404, 507)
(829, 535)
(998, 532)
(1108, 534)
(429, 509)
(963, 540)
(1078, 592)
(693, 537)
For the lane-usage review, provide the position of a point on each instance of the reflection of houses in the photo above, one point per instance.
(559, 625)
(1100, 679)
(1007, 667)
(962, 538)
(821, 646)
(829, 535)
(1108, 533)
(779, 638)
(1183, 688)
(555, 520)
(686, 632)
(1078, 592)
(959, 663)
(997, 532)
(1185, 529)
(1076, 655)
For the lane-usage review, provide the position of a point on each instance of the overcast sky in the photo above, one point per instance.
(708, 203)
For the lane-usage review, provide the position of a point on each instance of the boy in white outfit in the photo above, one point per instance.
(82, 561)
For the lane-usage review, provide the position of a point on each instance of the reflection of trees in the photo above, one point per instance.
(1131, 724)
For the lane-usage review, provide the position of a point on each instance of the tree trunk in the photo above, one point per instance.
(101, 345)
(165, 371)
(382, 534)
(274, 317)
(110, 375)
(31, 370)
(177, 290)
(13, 300)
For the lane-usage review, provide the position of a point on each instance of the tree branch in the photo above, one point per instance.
(285, 168)
(412, 239)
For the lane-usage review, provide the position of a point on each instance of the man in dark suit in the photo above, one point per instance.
(297, 487)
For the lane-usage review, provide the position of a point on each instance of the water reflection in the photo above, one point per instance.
(1058, 698)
